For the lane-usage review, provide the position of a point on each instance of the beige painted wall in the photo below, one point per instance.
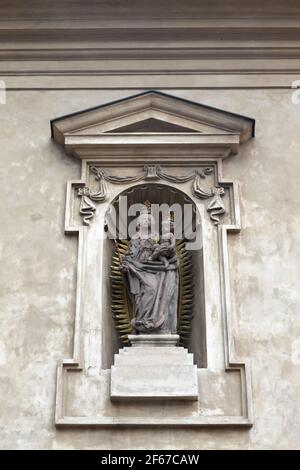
(38, 265)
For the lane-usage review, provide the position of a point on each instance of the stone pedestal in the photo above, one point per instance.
(154, 367)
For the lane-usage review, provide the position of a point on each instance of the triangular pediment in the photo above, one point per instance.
(152, 125)
(154, 113)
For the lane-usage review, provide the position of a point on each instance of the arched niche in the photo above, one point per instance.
(158, 194)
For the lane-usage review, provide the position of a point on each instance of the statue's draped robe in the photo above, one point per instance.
(153, 288)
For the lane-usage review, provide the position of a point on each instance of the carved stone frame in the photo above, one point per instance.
(92, 137)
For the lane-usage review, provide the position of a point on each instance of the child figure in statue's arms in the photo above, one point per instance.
(165, 251)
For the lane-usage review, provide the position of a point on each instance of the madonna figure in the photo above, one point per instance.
(151, 270)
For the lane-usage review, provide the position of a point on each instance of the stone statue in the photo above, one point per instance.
(151, 269)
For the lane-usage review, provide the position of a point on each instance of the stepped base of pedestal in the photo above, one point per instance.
(154, 368)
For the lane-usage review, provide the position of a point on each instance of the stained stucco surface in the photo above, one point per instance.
(38, 273)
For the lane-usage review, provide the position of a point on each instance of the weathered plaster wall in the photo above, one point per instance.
(38, 265)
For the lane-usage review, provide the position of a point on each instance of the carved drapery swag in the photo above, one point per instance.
(215, 208)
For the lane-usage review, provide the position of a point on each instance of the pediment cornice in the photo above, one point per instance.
(195, 125)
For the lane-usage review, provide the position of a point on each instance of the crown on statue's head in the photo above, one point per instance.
(146, 207)
(145, 213)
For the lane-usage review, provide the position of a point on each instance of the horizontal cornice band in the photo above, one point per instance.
(152, 34)
(176, 9)
(212, 40)
(150, 53)
(141, 46)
